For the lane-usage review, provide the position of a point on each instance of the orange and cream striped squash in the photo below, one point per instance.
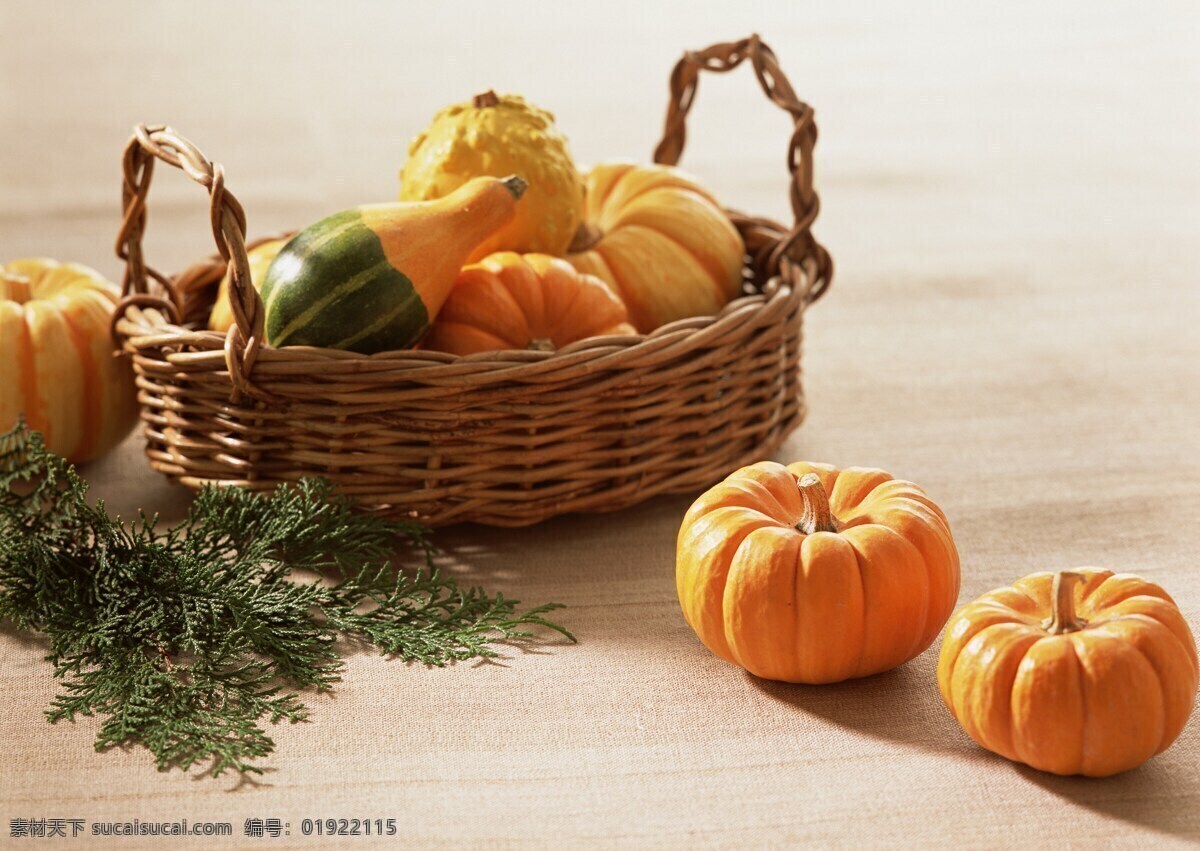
(810, 574)
(660, 241)
(1083, 671)
(524, 301)
(56, 358)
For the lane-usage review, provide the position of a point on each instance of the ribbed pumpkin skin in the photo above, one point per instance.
(820, 607)
(259, 258)
(660, 241)
(500, 136)
(530, 301)
(1096, 701)
(370, 279)
(56, 358)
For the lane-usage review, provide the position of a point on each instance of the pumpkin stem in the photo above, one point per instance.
(542, 345)
(485, 99)
(585, 237)
(515, 185)
(817, 517)
(1062, 617)
(19, 288)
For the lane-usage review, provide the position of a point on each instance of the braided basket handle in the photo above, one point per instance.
(799, 243)
(228, 220)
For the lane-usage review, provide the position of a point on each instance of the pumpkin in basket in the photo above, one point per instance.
(1076, 672)
(57, 359)
(500, 135)
(259, 259)
(531, 301)
(810, 574)
(660, 241)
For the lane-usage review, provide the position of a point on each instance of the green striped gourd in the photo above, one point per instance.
(372, 278)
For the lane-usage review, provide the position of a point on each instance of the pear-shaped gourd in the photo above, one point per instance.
(372, 278)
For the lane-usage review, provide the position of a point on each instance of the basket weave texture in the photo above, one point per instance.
(502, 438)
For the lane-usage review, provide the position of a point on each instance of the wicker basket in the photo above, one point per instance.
(502, 438)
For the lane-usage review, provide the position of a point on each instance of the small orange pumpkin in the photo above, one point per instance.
(1077, 672)
(524, 301)
(660, 241)
(811, 574)
(56, 358)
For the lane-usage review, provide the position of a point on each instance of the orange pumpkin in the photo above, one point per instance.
(56, 358)
(660, 241)
(811, 574)
(1077, 672)
(524, 301)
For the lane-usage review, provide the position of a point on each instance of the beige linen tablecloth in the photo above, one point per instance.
(1011, 198)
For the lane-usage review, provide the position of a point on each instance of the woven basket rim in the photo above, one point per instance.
(158, 331)
(802, 274)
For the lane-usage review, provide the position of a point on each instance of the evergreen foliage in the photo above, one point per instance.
(188, 640)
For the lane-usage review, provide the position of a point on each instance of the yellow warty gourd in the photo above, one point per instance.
(499, 135)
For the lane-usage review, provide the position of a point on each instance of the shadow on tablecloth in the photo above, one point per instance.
(903, 706)
(1155, 795)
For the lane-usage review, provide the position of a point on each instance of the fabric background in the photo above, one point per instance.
(1011, 200)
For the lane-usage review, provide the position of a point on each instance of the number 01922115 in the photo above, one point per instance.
(348, 827)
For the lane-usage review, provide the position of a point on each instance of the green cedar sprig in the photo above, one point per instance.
(187, 640)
